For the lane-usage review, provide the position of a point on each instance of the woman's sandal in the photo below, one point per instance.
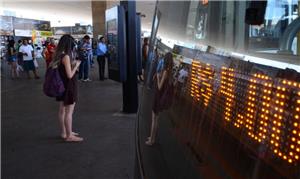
(74, 138)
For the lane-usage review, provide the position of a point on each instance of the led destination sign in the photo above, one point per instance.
(264, 109)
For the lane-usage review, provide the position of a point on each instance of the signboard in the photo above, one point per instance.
(79, 30)
(23, 33)
(44, 33)
(61, 30)
(6, 27)
(42, 25)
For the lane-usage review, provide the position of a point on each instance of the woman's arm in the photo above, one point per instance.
(160, 81)
(67, 63)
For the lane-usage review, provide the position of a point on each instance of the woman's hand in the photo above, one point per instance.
(77, 63)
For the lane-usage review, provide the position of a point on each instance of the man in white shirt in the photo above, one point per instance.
(28, 55)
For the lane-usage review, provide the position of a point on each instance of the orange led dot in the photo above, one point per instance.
(278, 131)
(296, 157)
(294, 132)
(290, 161)
(275, 151)
(298, 149)
(296, 117)
(280, 154)
(284, 157)
(289, 83)
(292, 147)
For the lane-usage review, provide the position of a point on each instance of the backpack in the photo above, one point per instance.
(53, 85)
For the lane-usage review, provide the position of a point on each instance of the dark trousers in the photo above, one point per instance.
(101, 63)
(84, 69)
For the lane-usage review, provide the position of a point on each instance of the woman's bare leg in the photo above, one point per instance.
(13, 70)
(69, 119)
(151, 139)
(61, 117)
(155, 128)
(68, 123)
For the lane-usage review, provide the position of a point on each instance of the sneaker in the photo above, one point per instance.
(86, 80)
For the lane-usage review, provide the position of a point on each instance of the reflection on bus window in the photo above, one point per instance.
(266, 37)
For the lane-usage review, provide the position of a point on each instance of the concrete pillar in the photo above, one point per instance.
(98, 15)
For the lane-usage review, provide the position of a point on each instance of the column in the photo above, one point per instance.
(98, 15)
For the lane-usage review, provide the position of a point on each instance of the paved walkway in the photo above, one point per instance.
(32, 149)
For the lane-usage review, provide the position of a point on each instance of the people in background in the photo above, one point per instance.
(162, 80)
(145, 50)
(49, 51)
(84, 49)
(28, 55)
(181, 79)
(67, 67)
(91, 54)
(12, 58)
(19, 54)
(101, 53)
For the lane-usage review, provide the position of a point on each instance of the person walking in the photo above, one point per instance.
(162, 80)
(101, 53)
(28, 57)
(12, 59)
(64, 58)
(84, 50)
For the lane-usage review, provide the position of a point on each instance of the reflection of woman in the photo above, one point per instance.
(67, 67)
(145, 49)
(162, 80)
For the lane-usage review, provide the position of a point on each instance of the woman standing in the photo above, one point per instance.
(12, 58)
(64, 59)
(163, 79)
